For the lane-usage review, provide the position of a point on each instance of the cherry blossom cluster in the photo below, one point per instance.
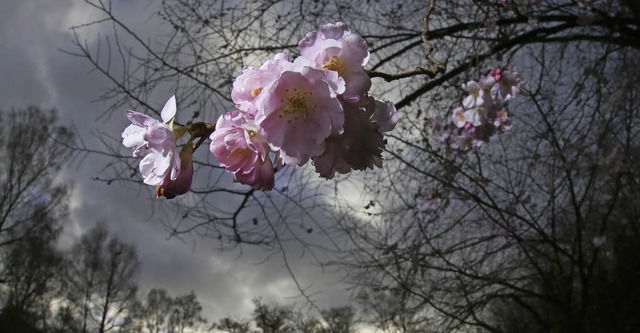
(483, 112)
(315, 108)
(155, 142)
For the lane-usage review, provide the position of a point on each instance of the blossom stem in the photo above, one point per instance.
(202, 131)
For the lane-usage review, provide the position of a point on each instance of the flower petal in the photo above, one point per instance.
(169, 110)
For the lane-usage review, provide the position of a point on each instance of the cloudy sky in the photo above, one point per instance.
(33, 71)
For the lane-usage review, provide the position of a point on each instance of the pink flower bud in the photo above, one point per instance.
(170, 188)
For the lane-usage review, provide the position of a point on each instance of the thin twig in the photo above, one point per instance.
(437, 66)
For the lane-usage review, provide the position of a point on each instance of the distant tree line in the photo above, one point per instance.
(92, 287)
(277, 318)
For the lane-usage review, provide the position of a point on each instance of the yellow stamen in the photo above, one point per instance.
(297, 104)
(256, 91)
(335, 64)
(240, 152)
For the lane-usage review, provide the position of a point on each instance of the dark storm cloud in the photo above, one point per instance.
(34, 71)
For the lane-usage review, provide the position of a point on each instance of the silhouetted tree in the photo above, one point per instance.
(393, 310)
(272, 318)
(34, 148)
(186, 313)
(30, 273)
(155, 311)
(160, 312)
(339, 319)
(307, 323)
(100, 280)
(66, 321)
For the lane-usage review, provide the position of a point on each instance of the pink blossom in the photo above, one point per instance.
(333, 158)
(458, 117)
(154, 141)
(252, 81)
(502, 121)
(475, 97)
(157, 165)
(335, 47)
(483, 113)
(359, 147)
(462, 141)
(238, 146)
(135, 135)
(479, 92)
(299, 110)
(245, 88)
(508, 84)
(439, 128)
(476, 116)
(365, 143)
(470, 117)
(382, 113)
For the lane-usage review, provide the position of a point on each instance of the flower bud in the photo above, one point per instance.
(181, 185)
